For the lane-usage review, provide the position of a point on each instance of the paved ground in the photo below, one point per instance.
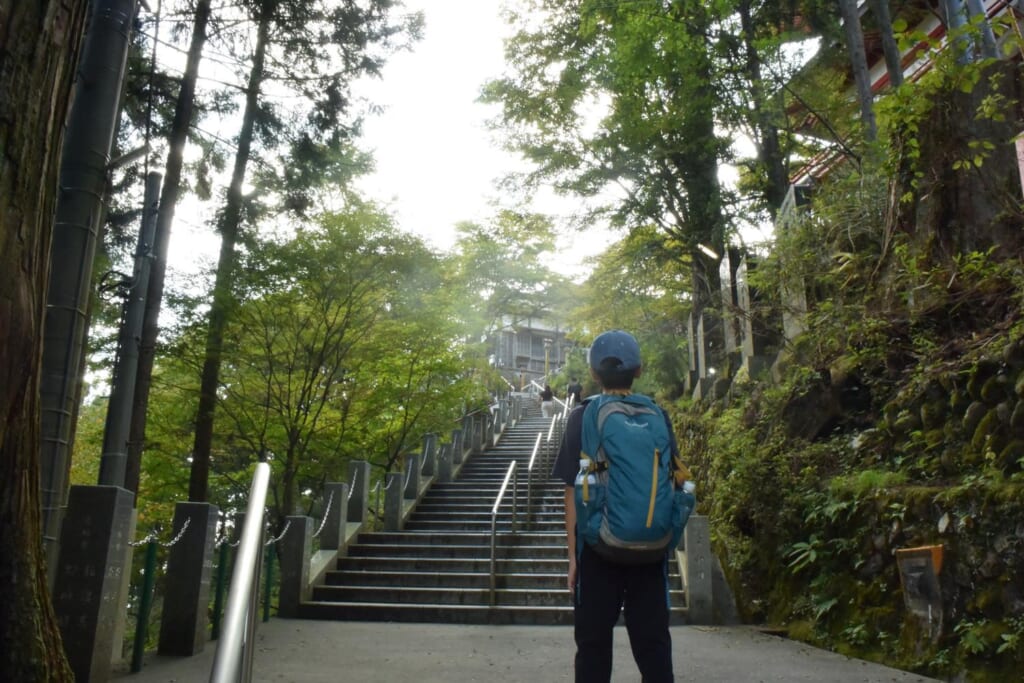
(297, 651)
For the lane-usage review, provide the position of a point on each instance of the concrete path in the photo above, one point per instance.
(297, 651)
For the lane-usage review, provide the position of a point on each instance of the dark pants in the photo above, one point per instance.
(602, 590)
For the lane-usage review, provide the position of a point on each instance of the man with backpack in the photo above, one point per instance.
(625, 509)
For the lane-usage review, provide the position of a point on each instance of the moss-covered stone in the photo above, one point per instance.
(934, 438)
(907, 422)
(1017, 418)
(933, 413)
(985, 432)
(973, 416)
(959, 401)
(981, 373)
(1018, 387)
(994, 390)
(1013, 354)
(1009, 459)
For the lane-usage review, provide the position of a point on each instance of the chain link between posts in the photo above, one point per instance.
(155, 536)
(274, 540)
(327, 513)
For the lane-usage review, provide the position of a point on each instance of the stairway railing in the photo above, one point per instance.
(232, 663)
(509, 475)
(529, 478)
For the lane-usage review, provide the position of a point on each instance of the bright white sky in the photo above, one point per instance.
(436, 160)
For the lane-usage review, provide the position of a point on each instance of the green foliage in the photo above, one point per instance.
(347, 341)
(500, 266)
(636, 285)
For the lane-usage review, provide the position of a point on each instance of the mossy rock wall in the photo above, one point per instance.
(808, 528)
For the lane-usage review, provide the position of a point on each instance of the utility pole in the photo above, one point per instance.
(80, 209)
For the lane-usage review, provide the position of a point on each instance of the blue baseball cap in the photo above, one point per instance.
(615, 344)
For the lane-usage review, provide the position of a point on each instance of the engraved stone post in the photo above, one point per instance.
(458, 451)
(89, 573)
(730, 319)
(187, 582)
(393, 502)
(691, 348)
(360, 470)
(444, 463)
(333, 535)
(412, 468)
(429, 454)
(296, 551)
(697, 540)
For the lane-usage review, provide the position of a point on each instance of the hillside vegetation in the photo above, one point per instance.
(896, 420)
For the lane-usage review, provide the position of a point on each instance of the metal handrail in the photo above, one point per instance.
(232, 663)
(529, 478)
(549, 443)
(510, 474)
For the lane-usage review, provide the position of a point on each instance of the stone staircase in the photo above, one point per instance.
(437, 569)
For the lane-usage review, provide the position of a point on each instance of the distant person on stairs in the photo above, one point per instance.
(547, 401)
(575, 392)
(602, 586)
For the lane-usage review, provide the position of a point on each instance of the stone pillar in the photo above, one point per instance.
(187, 582)
(479, 427)
(697, 541)
(444, 463)
(393, 502)
(118, 653)
(90, 567)
(429, 455)
(296, 551)
(458, 452)
(691, 348)
(412, 469)
(359, 474)
(1019, 144)
(469, 434)
(332, 537)
(731, 317)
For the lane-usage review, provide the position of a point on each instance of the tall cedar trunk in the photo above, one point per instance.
(893, 62)
(224, 284)
(769, 151)
(859, 66)
(168, 200)
(39, 43)
(698, 168)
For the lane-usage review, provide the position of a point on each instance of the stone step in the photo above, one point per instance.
(444, 614)
(437, 569)
(454, 564)
(418, 595)
(451, 614)
(482, 525)
(554, 581)
(386, 538)
(483, 515)
(456, 551)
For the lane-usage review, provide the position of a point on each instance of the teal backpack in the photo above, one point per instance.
(630, 505)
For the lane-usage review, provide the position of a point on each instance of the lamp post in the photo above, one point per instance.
(547, 357)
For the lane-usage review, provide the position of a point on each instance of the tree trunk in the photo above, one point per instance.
(39, 47)
(222, 290)
(769, 151)
(168, 201)
(893, 61)
(698, 169)
(859, 66)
